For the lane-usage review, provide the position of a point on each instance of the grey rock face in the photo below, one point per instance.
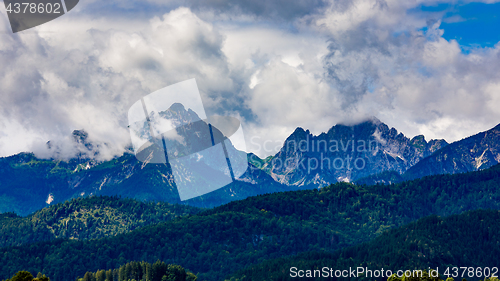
(346, 153)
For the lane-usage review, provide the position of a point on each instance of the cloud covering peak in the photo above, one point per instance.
(275, 66)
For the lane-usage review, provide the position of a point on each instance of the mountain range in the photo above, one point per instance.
(369, 152)
(346, 153)
(474, 153)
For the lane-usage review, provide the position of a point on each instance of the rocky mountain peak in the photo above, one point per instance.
(299, 133)
(347, 152)
(82, 137)
(178, 115)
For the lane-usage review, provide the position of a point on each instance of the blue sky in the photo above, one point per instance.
(471, 24)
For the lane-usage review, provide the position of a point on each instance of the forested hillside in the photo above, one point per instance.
(466, 240)
(86, 218)
(220, 241)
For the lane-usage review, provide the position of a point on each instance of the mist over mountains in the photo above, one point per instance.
(368, 152)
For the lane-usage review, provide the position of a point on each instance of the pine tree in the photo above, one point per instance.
(109, 275)
(101, 275)
(87, 277)
(22, 276)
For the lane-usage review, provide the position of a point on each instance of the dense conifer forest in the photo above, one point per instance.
(467, 240)
(218, 242)
(86, 218)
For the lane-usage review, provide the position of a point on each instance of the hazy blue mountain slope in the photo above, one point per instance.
(28, 183)
(474, 153)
